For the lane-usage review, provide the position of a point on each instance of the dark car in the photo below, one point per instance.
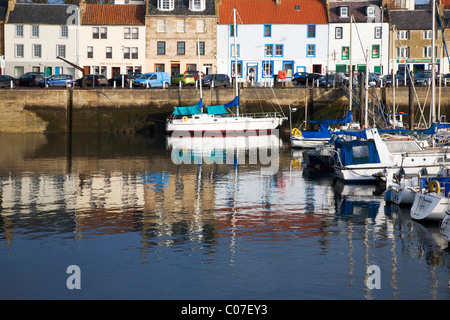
(196, 74)
(5, 81)
(327, 82)
(31, 79)
(399, 78)
(127, 78)
(216, 79)
(57, 80)
(424, 78)
(303, 79)
(92, 80)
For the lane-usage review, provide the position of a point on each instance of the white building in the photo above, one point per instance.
(112, 39)
(36, 34)
(370, 32)
(275, 35)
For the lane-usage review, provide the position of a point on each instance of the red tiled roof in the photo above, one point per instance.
(114, 14)
(268, 12)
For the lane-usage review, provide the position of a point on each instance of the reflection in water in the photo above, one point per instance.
(219, 222)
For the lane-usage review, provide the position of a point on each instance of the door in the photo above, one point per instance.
(87, 70)
(252, 72)
(317, 68)
(58, 70)
(115, 71)
(174, 69)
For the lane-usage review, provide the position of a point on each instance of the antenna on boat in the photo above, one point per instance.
(235, 58)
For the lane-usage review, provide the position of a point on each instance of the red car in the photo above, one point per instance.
(195, 74)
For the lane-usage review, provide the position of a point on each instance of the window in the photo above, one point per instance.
(311, 31)
(64, 32)
(37, 51)
(90, 52)
(35, 31)
(19, 31)
(108, 52)
(134, 33)
(268, 50)
(126, 53)
(238, 50)
(201, 46)
(104, 33)
(370, 11)
(181, 47)
(61, 50)
(95, 33)
(181, 25)
(239, 69)
(196, 5)
(311, 50)
(403, 35)
(345, 55)
(165, 5)
(161, 27)
(127, 33)
(201, 25)
(338, 32)
(427, 52)
(343, 12)
(279, 50)
(402, 52)
(19, 51)
(159, 67)
(161, 48)
(232, 31)
(267, 30)
(267, 69)
(134, 53)
(375, 51)
(377, 33)
(427, 34)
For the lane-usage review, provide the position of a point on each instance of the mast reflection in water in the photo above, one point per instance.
(142, 226)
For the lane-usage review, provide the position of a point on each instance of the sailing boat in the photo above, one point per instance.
(217, 119)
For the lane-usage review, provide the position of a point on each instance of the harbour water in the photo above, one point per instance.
(121, 217)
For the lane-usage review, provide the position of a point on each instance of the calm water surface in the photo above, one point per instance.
(141, 225)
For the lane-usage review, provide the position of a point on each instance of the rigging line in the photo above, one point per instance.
(360, 42)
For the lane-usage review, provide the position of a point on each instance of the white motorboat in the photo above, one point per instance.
(432, 203)
(445, 226)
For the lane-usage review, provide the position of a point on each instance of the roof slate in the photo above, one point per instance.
(39, 14)
(268, 12)
(113, 14)
(181, 7)
(357, 9)
(412, 19)
(3, 7)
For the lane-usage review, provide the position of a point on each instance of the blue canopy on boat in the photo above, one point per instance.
(189, 110)
(431, 130)
(217, 110)
(356, 152)
(352, 133)
(233, 103)
(324, 132)
(347, 119)
(443, 125)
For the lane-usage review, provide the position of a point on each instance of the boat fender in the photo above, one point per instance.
(296, 132)
(434, 184)
(184, 119)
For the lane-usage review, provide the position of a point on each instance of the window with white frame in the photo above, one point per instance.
(166, 5)
(161, 25)
(403, 35)
(126, 53)
(201, 25)
(19, 31)
(64, 32)
(61, 50)
(127, 33)
(181, 25)
(35, 31)
(238, 48)
(427, 52)
(279, 50)
(197, 5)
(338, 33)
(267, 69)
(90, 52)
(108, 52)
(134, 53)
(268, 50)
(402, 52)
(311, 50)
(95, 32)
(18, 50)
(134, 33)
(104, 33)
(377, 32)
(427, 34)
(37, 53)
(370, 11)
(343, 12)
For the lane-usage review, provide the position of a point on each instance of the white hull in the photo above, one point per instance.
(445, 227)
(431, 206)
(307, 143)
(357, 173)
(211, 123)
(400, 195)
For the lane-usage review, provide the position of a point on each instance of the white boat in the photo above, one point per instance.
(362, 160)
(402, 192)
(217, 118)
(445, 227)
(432, 203)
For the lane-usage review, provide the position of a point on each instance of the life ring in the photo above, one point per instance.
(184, 119)
(434, 184)
(296, 132)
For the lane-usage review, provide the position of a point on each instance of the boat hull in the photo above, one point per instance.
(445, 227)
(430, 206)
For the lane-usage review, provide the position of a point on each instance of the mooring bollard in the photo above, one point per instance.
(114, 86)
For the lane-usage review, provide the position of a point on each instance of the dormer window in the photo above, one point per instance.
(343, 12)
(165, 5)
(370, 11)
(197, 5)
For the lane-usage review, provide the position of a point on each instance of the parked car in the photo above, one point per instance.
(424, 78)
(57, 80)
(153, 79)
(445, 78)
(400, 79)
(126, 79)
(92, 80)
(185, 79)
(327, 82)
(216, 79)
(374, 79)
(309, 78)
(31, 79)
(5, 81)
(196, 74)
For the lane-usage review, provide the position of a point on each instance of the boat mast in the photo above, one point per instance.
(351, 67)
(433, 84)
(199, 72)
(235, 58)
